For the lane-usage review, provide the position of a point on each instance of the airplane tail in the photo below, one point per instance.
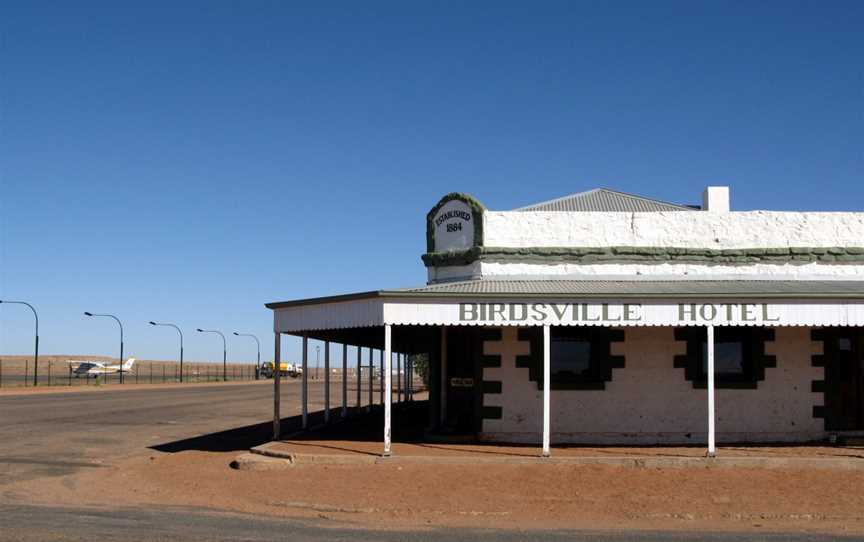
(128, 365)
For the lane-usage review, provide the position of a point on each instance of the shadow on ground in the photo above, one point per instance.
(361, 425)
(237, 439)
(410, 421)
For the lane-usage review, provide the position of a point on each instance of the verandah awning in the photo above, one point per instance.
(585, 302)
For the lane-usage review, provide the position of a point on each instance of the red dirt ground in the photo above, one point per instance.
(502, 496)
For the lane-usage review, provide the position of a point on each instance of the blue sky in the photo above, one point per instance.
(190, 161)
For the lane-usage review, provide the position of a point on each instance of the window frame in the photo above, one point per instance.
(596, 358)
(754, 360)
(604, 336)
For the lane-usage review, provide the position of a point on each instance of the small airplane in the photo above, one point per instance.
(95, 369)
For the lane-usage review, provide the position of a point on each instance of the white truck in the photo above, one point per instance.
(286, 369)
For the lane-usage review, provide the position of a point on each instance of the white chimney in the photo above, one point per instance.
(716, 199)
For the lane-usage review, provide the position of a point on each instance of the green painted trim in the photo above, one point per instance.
(587, 255)
(819, 411)
(492, 412)
(477, 209)
(492, 386)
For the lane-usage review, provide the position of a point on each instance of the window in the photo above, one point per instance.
(579, 357)
(570, 358)
(728, 358)
(731, 359)
(739, 356)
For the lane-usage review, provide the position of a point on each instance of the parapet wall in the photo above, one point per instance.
(733, 230)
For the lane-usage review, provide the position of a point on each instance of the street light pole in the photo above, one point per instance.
(181, 344)
(119, 323)
(36, 351)
(258, 366)
(224, 352)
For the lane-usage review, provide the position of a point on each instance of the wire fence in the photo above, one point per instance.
(20, 373)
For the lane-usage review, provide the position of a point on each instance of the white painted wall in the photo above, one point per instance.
(761, 271)
(649, 401)
(453, 272)
(748, 229)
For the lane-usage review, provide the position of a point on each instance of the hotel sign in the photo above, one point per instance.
(613, 314)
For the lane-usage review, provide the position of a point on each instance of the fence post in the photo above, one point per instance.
(163, 373)
(50, 363)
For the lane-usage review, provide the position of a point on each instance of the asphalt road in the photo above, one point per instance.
(54, 434)
(29, 523)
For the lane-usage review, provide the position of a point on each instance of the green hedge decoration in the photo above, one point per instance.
(587, 255)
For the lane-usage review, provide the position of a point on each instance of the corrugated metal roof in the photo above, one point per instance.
(553, 288)
(605, 200)
(751, 288)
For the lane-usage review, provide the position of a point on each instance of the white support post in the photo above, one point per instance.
(359, 378)
(381, 388)
(387, 396)
(326, 382)
(344, 380)
(443, 383)
(304, 390)
(277, 392)
(712, 448)
(398, 378)
(410, 377)
(371, 377)
(546, 389)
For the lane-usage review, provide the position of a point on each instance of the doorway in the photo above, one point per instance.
(844, 379)
(462, 381)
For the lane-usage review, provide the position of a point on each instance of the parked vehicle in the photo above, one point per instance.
(286, 369)
(95, 369)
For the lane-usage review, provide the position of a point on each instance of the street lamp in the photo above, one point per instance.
(119, 323)
(224, 351)
(258, 365)
(181, 343)
(36, 353)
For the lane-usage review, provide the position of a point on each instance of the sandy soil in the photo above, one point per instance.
(502, 496)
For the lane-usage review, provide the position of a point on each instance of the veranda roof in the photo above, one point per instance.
(533, 302)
